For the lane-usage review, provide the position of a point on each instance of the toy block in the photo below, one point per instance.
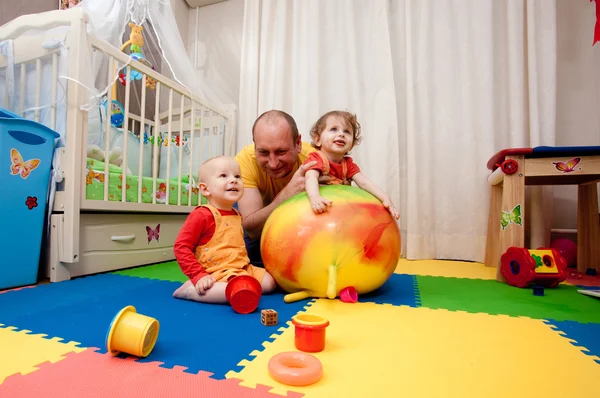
(538, 290)
(268, 317)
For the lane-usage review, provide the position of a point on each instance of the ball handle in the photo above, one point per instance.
(332, 283)
(290, 298)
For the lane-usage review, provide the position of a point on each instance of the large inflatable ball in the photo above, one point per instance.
(354, 245)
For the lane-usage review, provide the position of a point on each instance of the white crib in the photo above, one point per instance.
(98, 222)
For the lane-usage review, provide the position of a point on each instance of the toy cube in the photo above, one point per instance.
(268, 317)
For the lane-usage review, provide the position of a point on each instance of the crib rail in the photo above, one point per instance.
(175, 134)
(25, 61)
(185, 118)
(47, 85)
(42, 21)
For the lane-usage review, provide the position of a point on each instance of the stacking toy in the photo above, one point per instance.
(310, 332)
(243, 293)
(132, 333)
(349, 295)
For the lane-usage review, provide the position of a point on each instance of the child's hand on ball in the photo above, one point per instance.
(319, 204)
(387, 203)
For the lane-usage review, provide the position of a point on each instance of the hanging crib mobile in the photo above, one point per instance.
(135, 43)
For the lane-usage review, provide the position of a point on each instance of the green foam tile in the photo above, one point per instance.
(489, 296)
(167, 271)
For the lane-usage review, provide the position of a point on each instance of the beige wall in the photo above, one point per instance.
(182, 12)
(10, 9)
(578, 103)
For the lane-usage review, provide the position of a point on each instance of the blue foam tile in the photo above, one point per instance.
(584, 334)
(45, 297)
(207, 337)
(400, 289)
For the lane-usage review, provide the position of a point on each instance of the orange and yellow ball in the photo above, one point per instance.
(356, 238)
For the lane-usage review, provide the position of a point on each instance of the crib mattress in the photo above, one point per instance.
(95, 180)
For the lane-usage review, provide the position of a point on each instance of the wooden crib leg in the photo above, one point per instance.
(512, 216)
(588, 228)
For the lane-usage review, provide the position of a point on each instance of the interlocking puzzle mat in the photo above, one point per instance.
(491, 297)
(449, 269)
(21, 352)
(199, 337)
(389, 351)
(105, 376)
(168, 271)
(432, 330)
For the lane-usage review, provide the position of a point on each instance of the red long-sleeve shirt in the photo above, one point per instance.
(198, 229)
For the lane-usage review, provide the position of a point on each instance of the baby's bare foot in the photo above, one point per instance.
(187, 291)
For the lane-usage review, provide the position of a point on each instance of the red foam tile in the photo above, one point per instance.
(581, 279)
(91, 374)
(17, 288)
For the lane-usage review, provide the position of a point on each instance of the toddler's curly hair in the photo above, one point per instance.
(349, 118)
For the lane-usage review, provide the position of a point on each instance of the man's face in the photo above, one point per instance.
(275, 151)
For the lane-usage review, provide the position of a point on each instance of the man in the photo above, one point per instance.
(272, 172)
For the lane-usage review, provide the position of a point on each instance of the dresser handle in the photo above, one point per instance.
(122, 238)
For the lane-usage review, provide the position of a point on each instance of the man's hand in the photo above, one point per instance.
(298, 182)
(255, 213)
(204, 284)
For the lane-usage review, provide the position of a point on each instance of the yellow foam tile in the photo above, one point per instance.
(21, 352)
(386, 351)
(445, 268)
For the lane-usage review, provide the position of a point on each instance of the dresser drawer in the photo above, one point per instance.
(116, 232)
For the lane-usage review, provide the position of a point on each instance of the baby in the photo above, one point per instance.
(210, 246)
(334, 135)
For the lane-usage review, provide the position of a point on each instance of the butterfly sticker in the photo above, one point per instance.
(568, 166)
(152, 233)
(18, 166)
(513, 216)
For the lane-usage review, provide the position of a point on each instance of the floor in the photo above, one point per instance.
(435, 329)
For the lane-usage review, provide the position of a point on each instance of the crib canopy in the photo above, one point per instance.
(110, 19)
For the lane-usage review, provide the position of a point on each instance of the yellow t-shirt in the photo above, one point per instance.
(254, 177)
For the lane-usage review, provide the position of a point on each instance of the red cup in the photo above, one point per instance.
(310, 332)
(243, 293)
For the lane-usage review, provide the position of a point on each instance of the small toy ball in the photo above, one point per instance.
(567, 248)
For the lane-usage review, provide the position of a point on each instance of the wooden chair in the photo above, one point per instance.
(512, 169)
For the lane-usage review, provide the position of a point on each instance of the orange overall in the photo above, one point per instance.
(225, 256)
(334, 180)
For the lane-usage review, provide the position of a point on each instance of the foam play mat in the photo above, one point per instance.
(435, 329)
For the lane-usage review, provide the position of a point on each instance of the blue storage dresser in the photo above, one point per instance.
(26, 152)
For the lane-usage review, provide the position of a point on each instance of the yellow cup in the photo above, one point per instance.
(132, 333)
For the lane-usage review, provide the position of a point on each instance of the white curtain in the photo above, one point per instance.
(438, 86)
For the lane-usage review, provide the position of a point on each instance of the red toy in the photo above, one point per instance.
(243, 293)
(523, 267)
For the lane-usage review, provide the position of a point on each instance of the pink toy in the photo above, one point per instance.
(567, 249)
(349, 295)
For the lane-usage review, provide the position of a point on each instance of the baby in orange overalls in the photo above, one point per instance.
(210, 246)
(334, 135)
